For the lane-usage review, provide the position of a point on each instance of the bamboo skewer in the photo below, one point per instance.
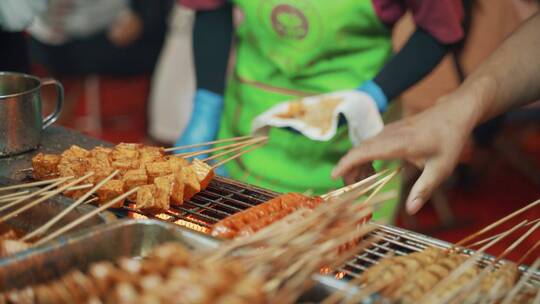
(478, 243)
(237, 155)
(179, 148)
(531, 250)
(44, 198)
(29, 196)
(356, 185)
(79, 187)
(32, 184)
(85, 217)
(522, 282)
(219, 148)
(238, 147)
(11, 196)
(41, 230)
(497, 223)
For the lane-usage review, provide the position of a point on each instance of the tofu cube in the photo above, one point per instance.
(75, 152)
(125, 164)
(72, 167)
(132, 179)
(157, 169)
(191, 183)
(177, 194)
(177, 163)
(111, 190)
(150, 198)
(101, 153)
(164, 185)
(204, 172)
(151, 154)
(125, 151)
(45, 166)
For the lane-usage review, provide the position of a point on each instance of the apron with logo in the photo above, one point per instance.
(288, 49)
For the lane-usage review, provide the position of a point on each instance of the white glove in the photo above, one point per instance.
(317, 117)
(16, 15)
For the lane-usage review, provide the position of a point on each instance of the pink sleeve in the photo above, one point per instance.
(441, 18)
(201, 4)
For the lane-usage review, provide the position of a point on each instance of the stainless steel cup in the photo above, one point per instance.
(21, 121)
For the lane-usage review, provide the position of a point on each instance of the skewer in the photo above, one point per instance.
(29, 196)
(355, 185)
(44, 198)
(75, 204)
(86, 217)
(236, 155)
(80, 187)
(497, 223)
(531, 250)
(32, 184)
(495, 236)
(518, 241)
(244, 144)
(6, 197)
(178, 148)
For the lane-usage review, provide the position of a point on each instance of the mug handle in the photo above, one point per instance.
(51, 118)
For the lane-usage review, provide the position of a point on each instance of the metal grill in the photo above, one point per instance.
(224, 197)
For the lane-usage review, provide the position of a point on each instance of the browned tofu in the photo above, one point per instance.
(157, 169)
(191, 183)
(176, 163)
(72, 167)
(151, 154)
(132, 179)
(204, 172)
(125, 164)
(45, 166)
(75, 152)
(101, 168)
(111, 190)
(164, 185)
(148, 199)
(125, 151)
(101, 153)
(177, 193)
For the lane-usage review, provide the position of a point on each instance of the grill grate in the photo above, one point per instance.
(224, 197)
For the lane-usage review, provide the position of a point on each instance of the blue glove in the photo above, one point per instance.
(203, 125)
(374, 90)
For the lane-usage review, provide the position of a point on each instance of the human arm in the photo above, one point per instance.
(433, 139)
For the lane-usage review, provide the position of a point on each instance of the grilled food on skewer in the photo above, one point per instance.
(169, 179)
(255, 218)
(9, 244)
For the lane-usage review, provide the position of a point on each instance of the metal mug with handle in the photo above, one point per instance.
(21, 121)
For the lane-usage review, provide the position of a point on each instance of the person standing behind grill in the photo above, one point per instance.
(287, 49)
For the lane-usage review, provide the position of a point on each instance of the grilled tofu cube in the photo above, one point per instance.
(157, 169)
(125, 151)
(125, 164)
(72, 167)
(45, 166)
(151, 154)
(177, 193)
(101, 168)
(191, 183)
(111, 190)
(204, 172)
(164, 186)
(177, 163)
(151, 199)
(75, 152)
(132, 179)
(101, 153)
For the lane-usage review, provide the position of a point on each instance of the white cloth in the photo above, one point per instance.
(16, 15)
(173, 85)
(68, 19)
(359, 109)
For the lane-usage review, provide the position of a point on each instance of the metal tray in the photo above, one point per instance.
(35, 217)
(133, 238)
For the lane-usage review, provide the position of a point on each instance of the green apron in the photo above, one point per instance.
(288, 49)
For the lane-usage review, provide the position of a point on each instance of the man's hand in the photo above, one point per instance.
(431, 140)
